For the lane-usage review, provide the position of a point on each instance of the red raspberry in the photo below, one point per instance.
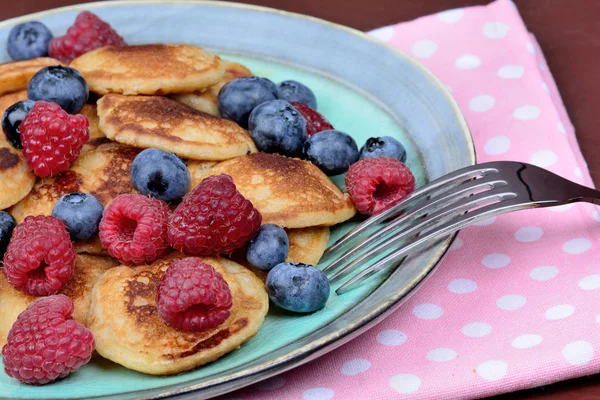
(315, 122)
(214, 218)
(87, 33)
(376, 184)
(192, 296)
(52, 139)
(45, 343)
(40, 258)
(134, 229)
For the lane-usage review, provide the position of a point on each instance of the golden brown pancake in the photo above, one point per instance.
(154, 121)
(8, 99)
(88, 270)
(102, 172)
(288, 192)
(91, 113)
(206, 100)
(92, 247)
(128, 330)
(149, 69)
(15, 76)
(16, 178)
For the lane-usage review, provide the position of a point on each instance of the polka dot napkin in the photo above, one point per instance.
(516, 302)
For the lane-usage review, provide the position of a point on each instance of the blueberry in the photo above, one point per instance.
(297, 287)
(269, 247)
(240, 96)
(28, 40)
(7, 224)
(11, 121)
(295, 91)
(332, 151)
(81, 213)
(160, 174)
(61, 85)
(385, 146)
(277, 127)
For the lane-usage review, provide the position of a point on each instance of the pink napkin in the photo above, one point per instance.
(515, 302)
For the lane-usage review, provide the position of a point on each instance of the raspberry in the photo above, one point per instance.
(213, 218)
(87, 33)
(134, 229)
(40, 256)
(192, 296)
(315, 122)
(376, 184)
(45, 343)
(52, 139)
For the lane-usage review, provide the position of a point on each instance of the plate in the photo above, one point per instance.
(364, 88)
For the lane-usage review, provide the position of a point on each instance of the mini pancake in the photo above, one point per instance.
(88, 270)
(92, 247)
(288, 192)
(8, 99)
(16, 178)
(149, 69)
(154, 121)
(15, 76)
(206, 100)
(128, 330)
(90, 111)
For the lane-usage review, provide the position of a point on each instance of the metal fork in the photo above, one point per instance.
(444, 206)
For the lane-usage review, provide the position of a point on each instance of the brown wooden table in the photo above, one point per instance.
(568, 32)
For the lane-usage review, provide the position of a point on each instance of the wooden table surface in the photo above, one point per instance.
(568, 32)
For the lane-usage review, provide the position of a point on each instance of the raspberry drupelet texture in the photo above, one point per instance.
(214, 218)
(45, 343)
(315, 122)
(40, 256)
(52, 139)
(376, 184)
(87, 33)
(192, 296)
(134, 229)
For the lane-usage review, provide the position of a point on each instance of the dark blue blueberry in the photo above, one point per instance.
(295, 91)
(61, 85)
(7, 224)
(269, 247)
(28, 40)
(277, 127)
(81, 213)
(160, 174)
(297, 287)
(11, 121)
(240, 96)
(385, 146)
(332, 151)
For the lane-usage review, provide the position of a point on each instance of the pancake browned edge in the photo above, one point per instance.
(128, 330)
(15, 75)
(8, 99)
(16, 178)
(88, 270)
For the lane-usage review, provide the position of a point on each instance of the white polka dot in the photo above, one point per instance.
(384, 33)
(457, 244)
(495, 30)
(545, 87)
(482, 103)
(543, 158)
(563, 208)
(591, 282)
(561, 128)
(405, 383)
(355, 367)
(495, 260)
(451, 16)
(543, 273)
(271, 384)
(391, 337)
(511, 302)
(497, 145)
(441, 355)
(542, 66)
(596, 216)
(511, 71)
(428, 311)
(577, 246)
(529, 234)
(526, 112)
(485, 222)
(578, 353)
(476, 329)
(318, 394)
(449, 88)
(467, 61)
(578, 172)
(424, 48)
(492, 370)
(531, 48)
(462, 286)
(527, 341)
(598, 319)
(560, 311)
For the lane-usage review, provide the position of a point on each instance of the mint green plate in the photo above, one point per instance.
(365, 89)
